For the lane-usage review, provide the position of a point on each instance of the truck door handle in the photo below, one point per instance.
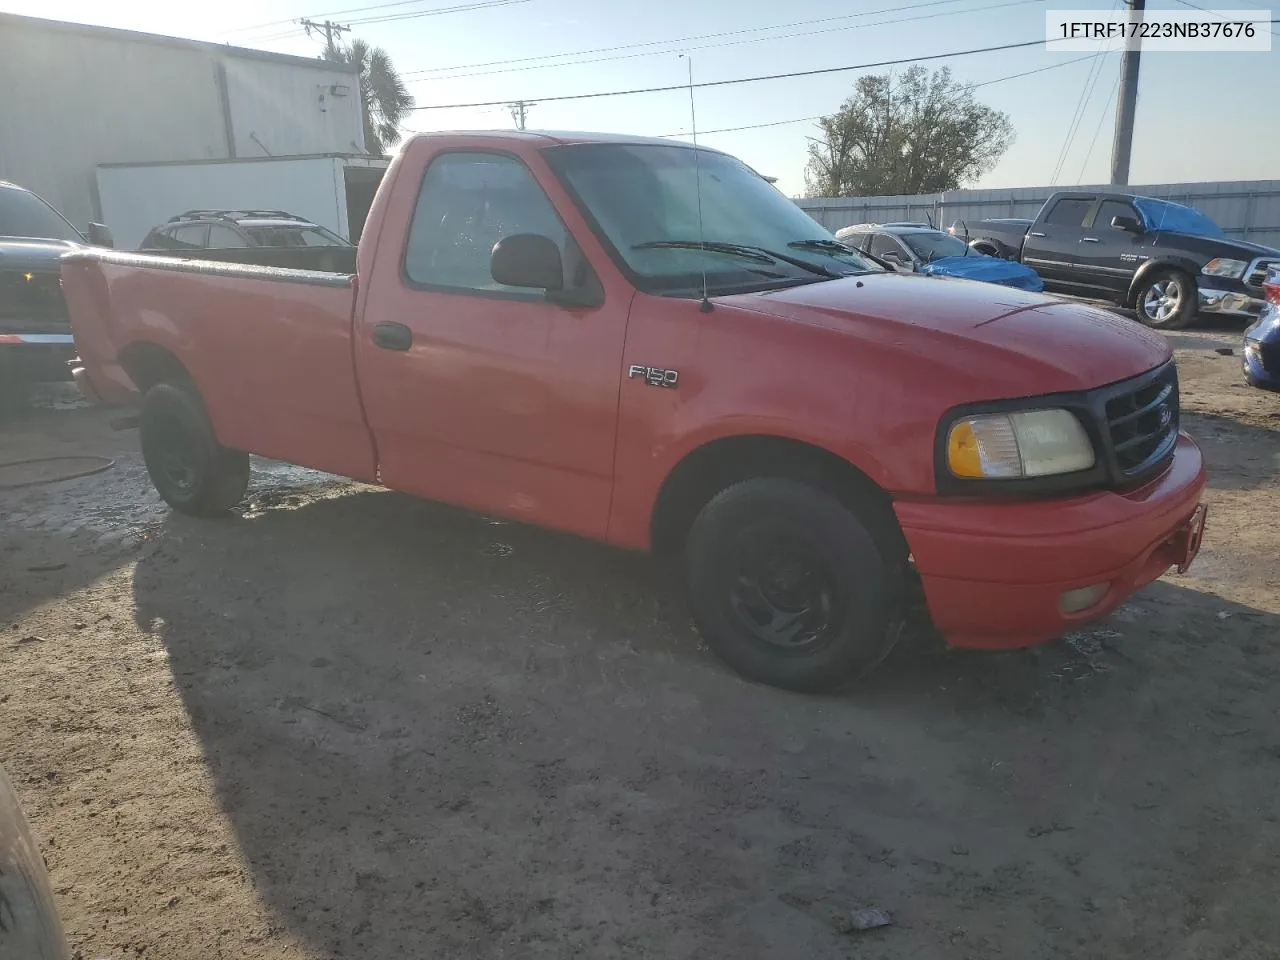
(1089, 239)
(392, 336)
(1035, 233)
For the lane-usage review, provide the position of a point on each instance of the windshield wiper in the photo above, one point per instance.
(834, 246)
(759, 254)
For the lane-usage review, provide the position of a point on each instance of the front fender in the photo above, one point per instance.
(1185, 265)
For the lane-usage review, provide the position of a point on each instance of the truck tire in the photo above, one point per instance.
(1166, 300)
(788, 586)
(29, 924)
(191, 471)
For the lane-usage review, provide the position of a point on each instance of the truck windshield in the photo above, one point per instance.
(23, 214)
(1175, 218)
(931, 245)
(643, 201)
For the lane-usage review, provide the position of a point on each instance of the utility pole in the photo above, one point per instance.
(329, 29)
(1128, 102)
(520, 112)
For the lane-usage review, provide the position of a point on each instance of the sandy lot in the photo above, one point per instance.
(353, 725)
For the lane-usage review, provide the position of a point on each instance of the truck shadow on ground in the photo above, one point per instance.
(439, 736)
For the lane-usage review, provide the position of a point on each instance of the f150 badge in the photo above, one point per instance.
(654, 376)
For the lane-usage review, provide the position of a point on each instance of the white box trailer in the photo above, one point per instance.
(332, 190)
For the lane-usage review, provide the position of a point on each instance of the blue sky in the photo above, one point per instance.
(1200, 115)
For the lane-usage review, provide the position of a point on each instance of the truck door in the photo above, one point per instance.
(1109, 256)
(1053, 242)
(477, 393)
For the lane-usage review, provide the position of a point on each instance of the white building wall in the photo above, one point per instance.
(75, 96)
(281, 109)
(136, 199)
(72, 99)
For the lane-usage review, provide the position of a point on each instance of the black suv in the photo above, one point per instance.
(1165, 260)
(231, 229)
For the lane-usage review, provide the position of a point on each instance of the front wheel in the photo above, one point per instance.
(1166, 300)
(788, 586)
(191, 471)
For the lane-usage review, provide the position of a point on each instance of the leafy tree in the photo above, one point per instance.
(923, 134)
(385, 97)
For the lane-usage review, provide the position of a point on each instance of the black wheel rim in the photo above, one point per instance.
(783, 591)
(176, 455)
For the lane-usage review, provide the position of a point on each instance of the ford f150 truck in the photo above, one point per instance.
(646, 344)
(1167, 261)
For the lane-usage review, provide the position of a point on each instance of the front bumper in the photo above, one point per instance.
(994, 574)
(36, 357)
(1260, 358)
(1231, 303)
(1261, 364)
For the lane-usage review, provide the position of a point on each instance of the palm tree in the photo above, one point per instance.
(387, 101)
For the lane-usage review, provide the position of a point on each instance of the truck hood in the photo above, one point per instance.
(1006, 342)
(20, 253)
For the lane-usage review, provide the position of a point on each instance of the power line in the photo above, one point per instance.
(1086, 92)
(679, 40)
(328, 28)
(730, 43)
(438, 11)
(1106, 107)
(339, 13)
(726, 83)
(1214, 13)
(972, 86)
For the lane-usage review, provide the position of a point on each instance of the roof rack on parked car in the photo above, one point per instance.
(235, 215)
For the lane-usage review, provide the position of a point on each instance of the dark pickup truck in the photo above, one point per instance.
(35, 333)
(1167, 261)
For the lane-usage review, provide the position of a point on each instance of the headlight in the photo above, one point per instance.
(1035, 443)
(1222, 267)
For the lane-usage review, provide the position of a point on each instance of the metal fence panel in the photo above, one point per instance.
(1245, 209)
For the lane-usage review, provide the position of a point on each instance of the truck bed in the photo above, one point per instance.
(268, 348)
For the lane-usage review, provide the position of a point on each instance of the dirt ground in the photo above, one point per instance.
(353, 725)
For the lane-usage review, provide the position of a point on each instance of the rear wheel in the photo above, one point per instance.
(788, 586)
(1166, 300)
(191, 471)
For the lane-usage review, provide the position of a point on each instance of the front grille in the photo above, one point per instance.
(1258, 272)
(32, 302)
(1142, 421)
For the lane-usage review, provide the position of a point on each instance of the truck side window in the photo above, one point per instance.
(1069, 211)
(1113, 208)
(468, 202)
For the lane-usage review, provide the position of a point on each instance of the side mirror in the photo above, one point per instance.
(1128, 224)
(527, 260)
(100, 235)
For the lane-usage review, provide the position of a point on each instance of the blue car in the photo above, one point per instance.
(1262, 339)
(920, 248)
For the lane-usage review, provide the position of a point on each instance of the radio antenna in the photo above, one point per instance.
(705, 306)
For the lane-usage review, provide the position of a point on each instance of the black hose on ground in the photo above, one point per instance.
(101, 465)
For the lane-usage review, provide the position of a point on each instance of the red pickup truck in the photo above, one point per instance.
(647, 344)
